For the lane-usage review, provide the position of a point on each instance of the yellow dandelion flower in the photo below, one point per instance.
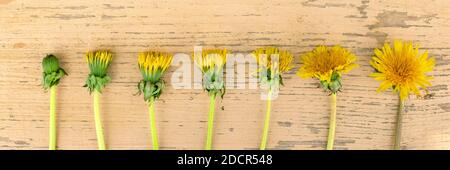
(272, 63)
(211, 59)
(211, 63)
(98, 62)
(328, 64)
(323, 61)
(153, 64)
(402, 68)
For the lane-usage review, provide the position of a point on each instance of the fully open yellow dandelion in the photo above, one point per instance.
(153, 64)
(328, 64)
(272, 63)
(211, 63)
(404, 70)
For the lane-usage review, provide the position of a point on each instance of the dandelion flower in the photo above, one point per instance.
(153, 64)
(272, 62)
(328, 64)
(211, 63)
(98, 62)
(404, 70)
(52, 73)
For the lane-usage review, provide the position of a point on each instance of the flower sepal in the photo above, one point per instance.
(213, 83)
(334, 85)
(151, 90)
(273, 83)
(96, 83)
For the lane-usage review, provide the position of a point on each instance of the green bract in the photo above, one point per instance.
(272, 81)
(52, 73)
(213, 82)
(335, 84)
(96, 83)
(151, 90)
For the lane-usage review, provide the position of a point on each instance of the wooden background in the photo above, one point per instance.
(31, 29)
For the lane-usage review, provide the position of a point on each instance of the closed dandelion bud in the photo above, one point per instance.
(52, 73)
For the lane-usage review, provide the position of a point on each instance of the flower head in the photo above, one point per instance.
(265, 56)
(153, 64)
(272, 62)
(211, 59)
(99, 62)
(327, 64)
(211, 63)
(52, 73)
(402, 68)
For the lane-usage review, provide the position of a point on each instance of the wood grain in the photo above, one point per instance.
(365, 120)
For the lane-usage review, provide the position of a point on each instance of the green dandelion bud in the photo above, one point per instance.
(52, 73)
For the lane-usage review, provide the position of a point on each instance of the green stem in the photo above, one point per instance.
(52, 128)
(332, 128)
(212, 103)
(266, 122)
(98, 122)
(398, 130)
(151, 111)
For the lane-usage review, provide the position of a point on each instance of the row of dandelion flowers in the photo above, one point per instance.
(398, 66)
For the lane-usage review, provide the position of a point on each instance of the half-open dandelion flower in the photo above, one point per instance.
(272, 63)
(211, 63)
(402, 68)
(153, 64)
(327, 64)
(99, 62)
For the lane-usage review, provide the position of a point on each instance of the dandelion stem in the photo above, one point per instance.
(98, 122)
(398, 130)
(212, 102)
(266, 122)
(52, 125)
(332, 128)
(151, 111)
